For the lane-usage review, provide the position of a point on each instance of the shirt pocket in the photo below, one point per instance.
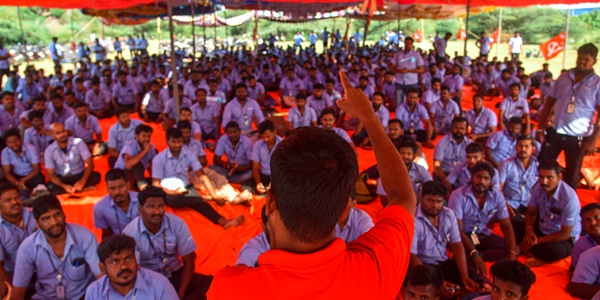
(76, 269)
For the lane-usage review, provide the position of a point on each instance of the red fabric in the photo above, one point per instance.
(461, 34)
(417, 35)
(495, 36)
(554, 46)
(99, 4)
(497, 3)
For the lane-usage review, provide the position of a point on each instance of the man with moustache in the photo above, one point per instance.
(502, 144)
(590, 223)
(475, 205)
(552, 221)
(166, 246)
(450, 149)
(136, 156)
(123, 279)
(61, 254)
(461, 173)
(113, 212)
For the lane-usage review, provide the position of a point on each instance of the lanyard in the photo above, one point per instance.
(235, 150)
(573, 83)
(118, 221)
(164, 237)
(65, 156)
(177, 168)
(59, 274)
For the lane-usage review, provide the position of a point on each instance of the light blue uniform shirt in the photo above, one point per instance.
(443, 115)
(504, 85)
(502, 145)
(242, 152)
(97, 101)
(108, 215)
(28, 92)
(518, 182)
(31, 136)
(454, 82)
(195, 147)
(449, 153)
(418, 175)
(461, 176)
(125, 94)
(150, 248)
(309, 83)
(8, 121)
(410, 60)
(481, 123)
(429, 243)
(21, 165)
(36, 254)
(291, 87)
(430, 96)
(256, 91)
(11, 236)
(319, 104)
(587, 100)
(389, 89)
(84, 131)
(242, 115)
(206, 116)
(165, 165)
(262, 155)
(464, 205)
(118, 136)
(149, 285)
(301, 119)
(583, 244)
(561, 209)
(70, 163)
(170, 106)
(133, 148)
(412, 119)
(512, 108)
(588, 270)
(383, 114)
(156, 104)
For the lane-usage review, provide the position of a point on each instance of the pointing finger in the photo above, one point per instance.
(345, 81)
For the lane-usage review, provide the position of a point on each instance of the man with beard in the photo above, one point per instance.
(10, 112)
(575, 99)
(442, 112)
(242, 110)
(328, 123)
(169, 110)
(435, 230)
(208, 115)
(417, 173)
(125, 94)
(238, 150)
(514, 106)
(319, 100)
(461, 173)
(136, 156)
(301, 115)
(61, 254)
(433, 94)
(482, 119)
(518, 175)
(455, 83)
(413, 115)
(511, 280)
(123, 279)
(113, 212)
(194, 84)
(504, 82)
(590, 217)
(407, 65)
(16, 224)
(37, 135)
(98, 100)
(450, 150)
(154, 103)
(166, 246)
(58, 110)
(502, 144)
(39, 104)
(84, 126)
(21, 163)
(261, 159)
(475, 206)
(65, 161)
(360, 137)
(120, 133)
(552, 221)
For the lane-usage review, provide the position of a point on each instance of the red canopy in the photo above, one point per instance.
(97, 4)
(498, 3)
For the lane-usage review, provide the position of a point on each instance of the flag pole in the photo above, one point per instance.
(564, 62)
(193, 32)
(499, 33)
(21, 26)
(467, 29)
(174, 80)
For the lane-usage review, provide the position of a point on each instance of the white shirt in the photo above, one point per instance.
(516, 42)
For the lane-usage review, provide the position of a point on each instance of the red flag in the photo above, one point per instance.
(417, 36)
(461, 34)
(554, 46)
(495, 37)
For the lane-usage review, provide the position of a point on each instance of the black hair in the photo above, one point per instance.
(121, 110)
(95, 80)
(114, 244)
(474, 147)
(434, 188)
(232, 124)
(263, 215)
(425, 275)
(396, 121)
(34, 114)
(483, 166)
(459, 120)
(4, 94)
(318, 86)
(434, 80)
(308, 164)
(516, 120)
(115, 174)
(301, 96)
(515, 272)
(43, 204)
(526, 137)
(266, 125)
(11, 132)
(445, 88)
(327, 111)
(184, 124)
(409, 144)
(79, 104)
(413, 90)
(185, 109)
(588, 48)
(478, 95)
(174, 133)
(409, 39)
(7, 186)
(583, 211)
(151, 192)
(121, 73)
(515, 84)
(239, 86)
(377, 94)
(55, 96)
(40, 98)
(143, 128)
(200, 89)
(69, 93)
(550, 164)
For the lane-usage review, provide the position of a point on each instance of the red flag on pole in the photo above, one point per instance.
(494, 37)
(461, 34)
(417, 36)
(554, 46)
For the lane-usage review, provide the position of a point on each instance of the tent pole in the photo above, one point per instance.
(347, 31)
(203, 35)
(564, 63)
(399, 12)
(72, 28)
(467, 30)
(366, 31)
(174, 80)
(193, 33)
(422, 30)
(499, 33)
(21, 26)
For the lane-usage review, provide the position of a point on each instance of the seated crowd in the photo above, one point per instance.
(488, 168)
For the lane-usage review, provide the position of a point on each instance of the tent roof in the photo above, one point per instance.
(97, 4)
(498, 3)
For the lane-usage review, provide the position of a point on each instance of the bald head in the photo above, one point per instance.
(57, 130)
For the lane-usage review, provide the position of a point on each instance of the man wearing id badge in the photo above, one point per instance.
(63, 255)
(574, 98)
(243, 110)
(408, 64)
(475, 206)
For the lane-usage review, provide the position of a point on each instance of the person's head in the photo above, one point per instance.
(152, 205)
(590, 219)
(58, 132)
(548, 78)
(8, 100)
(185, 113)
(517, 33)
(174, 140)
(377, 99)
(505, 74)
(290, 74)
(123, 117)
(327, 118)
(432, 197)
(515, 89)
(143, 133)
(122, 76)
(459, 128)
(186, 130)
(116, 254)
(39, 103)
(241, 92)
(474, 153)
(412, 96)
(10, 201)
(267, 132)
(311, 162)
(445, 93)
(549, 175)
(456, 69)
(12, 138)
(478, 101)
(318, 90)
(232, 129)
(511, 280)
(395, 129)
(117, 185)
(81, 109)
(436, 84)
(514, 127)
(448, 35)
(586, 57)
(36, 118)
(300, 100)
(329, 84)
(525, 146)
(423, 283)
(481, 177)
(49, 216)
(407, 151)
(408, 43)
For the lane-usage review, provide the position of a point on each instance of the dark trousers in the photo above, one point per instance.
(195, 202)
(137, 176)
(548, 252)
(197, 288)
(421, 136)
(107, 114)
(152, 116)
(556, 143)
(129, 107)
(491, 247)
(112, 161)
(452, 275)
(30, 184)
(251, 185)
(71, 180)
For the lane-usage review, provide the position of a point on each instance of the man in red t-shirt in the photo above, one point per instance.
(313, 173)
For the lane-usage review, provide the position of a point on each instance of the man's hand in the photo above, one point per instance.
(429, 144)
(447, 290)
(234, 167)
(69, 189)
(511, 256)
(354, 102)
(511, 212)
(472, 136)
(530, 237)
(540, 136)
(589, 148)
(480, 265)
(260, 188)
(469, 284)
(525, 247)
(181, 190)
(181, 294)
(78, 186)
